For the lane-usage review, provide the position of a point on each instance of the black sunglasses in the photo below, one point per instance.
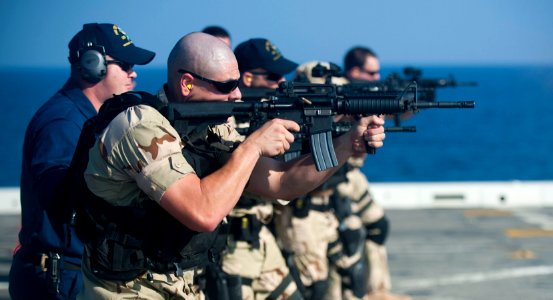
(269, 75)
(224, 87)
(123, 65)
(371, 73)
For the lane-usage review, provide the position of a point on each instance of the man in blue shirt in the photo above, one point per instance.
(47, 264)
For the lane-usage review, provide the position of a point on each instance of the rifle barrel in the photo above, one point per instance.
(444, 104)
(401, 129)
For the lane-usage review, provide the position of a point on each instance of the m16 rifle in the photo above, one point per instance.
(395, 82)
(427, 86)
(312, 106)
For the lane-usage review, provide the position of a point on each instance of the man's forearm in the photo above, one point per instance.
(223, 188)
(292, 179)
(201, 204)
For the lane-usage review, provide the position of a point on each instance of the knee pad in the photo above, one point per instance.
(378, 231)
(352, 240)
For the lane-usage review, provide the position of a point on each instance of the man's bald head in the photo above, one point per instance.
(202, 54)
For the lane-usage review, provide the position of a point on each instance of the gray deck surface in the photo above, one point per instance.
(448, 254)
(455, 254)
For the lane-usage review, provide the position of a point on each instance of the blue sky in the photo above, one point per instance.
(424, 32)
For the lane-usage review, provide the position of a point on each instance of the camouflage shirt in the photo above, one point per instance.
(139, 155)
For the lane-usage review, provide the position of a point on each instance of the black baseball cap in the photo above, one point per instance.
(261, 53)
(113, 39)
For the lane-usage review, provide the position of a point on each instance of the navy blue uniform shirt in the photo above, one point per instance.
(50, 141)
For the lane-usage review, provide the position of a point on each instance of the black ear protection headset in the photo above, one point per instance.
(91, 57)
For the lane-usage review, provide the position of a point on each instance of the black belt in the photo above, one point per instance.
(320, 207)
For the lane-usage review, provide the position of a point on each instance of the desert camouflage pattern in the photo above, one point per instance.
(308, 239)
(265, 266)
(355, 189)
(136, 159)
(305, 70)
(139, 156)
(161, 287)
(262, 211)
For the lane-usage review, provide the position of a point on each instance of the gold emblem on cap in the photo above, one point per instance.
(273, 49)
(124, 36)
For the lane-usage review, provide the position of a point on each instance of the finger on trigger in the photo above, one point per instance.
(289, 124)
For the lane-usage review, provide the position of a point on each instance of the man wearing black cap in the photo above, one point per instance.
(261, 64)
(47, 263)
(252, 253)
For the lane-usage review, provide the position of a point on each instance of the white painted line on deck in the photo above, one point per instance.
(537, 218)
(473, 277)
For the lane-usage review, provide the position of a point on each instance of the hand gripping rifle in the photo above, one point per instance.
(312, 106)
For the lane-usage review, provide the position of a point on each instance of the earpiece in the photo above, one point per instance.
(91, 57)
(189, 86)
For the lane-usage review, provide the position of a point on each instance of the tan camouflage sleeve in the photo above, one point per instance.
(227, 133)
(140, 151)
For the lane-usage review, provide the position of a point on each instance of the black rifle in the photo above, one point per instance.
(312, 106)
(256, 94)
(395, 82)
(427, 86)
(339, 128)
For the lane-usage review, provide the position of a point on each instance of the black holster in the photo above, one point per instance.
(355, 278)
(221, 286)
(301, 206)
(246, 229)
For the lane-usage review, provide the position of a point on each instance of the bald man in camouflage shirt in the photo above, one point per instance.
(140, 165)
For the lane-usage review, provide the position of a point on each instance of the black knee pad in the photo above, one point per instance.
(378, 231)
(352, 240)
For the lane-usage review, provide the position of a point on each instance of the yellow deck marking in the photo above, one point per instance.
(528, 233)
(523, 254)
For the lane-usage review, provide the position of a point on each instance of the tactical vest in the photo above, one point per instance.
(125, 242)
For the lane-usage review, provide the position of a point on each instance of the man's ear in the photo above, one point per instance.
(353, 72)
(186, 84)
(247, 78)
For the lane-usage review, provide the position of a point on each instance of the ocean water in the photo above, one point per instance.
(506, 137)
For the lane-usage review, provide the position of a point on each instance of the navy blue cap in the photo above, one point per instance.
(261, 53)
(114, 40)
